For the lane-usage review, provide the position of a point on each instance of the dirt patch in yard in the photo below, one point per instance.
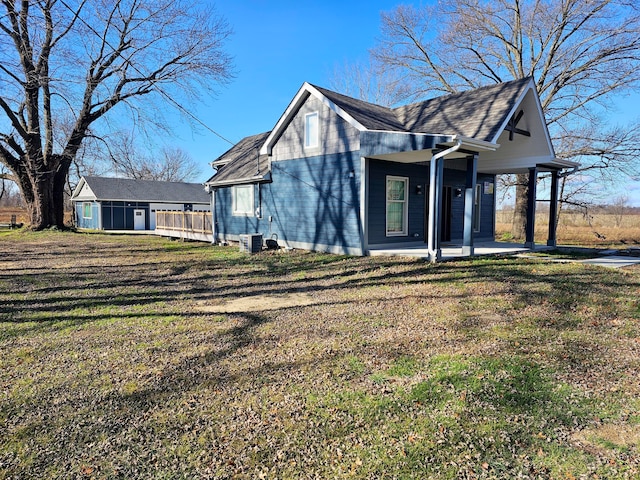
(257, 303)
(619, 436)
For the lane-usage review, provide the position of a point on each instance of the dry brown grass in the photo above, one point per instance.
(7, 212)
(112, 364)
(597, 230)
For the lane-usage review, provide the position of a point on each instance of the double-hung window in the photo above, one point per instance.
(242, 200)
(397, 206)
(311, 130)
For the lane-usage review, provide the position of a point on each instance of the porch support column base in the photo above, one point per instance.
(467, 251)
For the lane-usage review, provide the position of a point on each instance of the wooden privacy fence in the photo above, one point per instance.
(184, 222)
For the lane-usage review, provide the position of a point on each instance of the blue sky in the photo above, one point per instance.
(277, 45)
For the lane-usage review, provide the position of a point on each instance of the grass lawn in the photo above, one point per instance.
(139, 357)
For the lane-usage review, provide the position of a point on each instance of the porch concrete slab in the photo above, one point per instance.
(455, 251)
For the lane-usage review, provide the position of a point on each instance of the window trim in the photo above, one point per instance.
(405, 209)
(234, 208)
(316, 138)
(84, 210)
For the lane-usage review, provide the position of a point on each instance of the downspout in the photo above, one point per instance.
(431, 245)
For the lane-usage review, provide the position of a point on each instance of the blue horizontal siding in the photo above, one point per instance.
(90, 223)
(311, 201)
(419, 175)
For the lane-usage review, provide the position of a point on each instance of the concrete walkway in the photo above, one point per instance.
(613, 261)
(601, 258)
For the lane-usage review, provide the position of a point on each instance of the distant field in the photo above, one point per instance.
(7, 212)
(598, 229)
(138, 357)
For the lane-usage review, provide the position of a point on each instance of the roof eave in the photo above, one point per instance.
(239, 181)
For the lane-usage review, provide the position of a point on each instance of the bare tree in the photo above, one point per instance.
(618, 208)
(89, 60)
(580, 52)
(370, 82)
(169, 164)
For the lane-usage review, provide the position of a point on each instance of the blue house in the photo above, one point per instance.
(342, 175)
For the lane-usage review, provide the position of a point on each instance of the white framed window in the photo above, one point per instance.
(477, 201)
(242, 200)
(311, 130)
(397, 206)
(86, 210)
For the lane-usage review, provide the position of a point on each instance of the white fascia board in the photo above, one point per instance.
(78, 189)
(305, 91)
(285, 118)
(515, 106)
(450, 138)
(475, 144)
(564, 163)
(237, 181)
(348, 118)
(219, 163)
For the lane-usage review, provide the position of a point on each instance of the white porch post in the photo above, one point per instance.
(553, 209)
(436, 167)
(469, 205)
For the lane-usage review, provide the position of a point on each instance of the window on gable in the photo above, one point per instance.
(243, 200)
(397, 206)
(311, 130)
(86, 210)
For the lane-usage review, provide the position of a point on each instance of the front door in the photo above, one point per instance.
(445, 215)
(138, 220)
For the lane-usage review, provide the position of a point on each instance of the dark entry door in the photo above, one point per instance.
(445, 215)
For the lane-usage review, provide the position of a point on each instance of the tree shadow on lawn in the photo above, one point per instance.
(133, 417)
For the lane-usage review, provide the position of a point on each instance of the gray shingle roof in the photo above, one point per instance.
(477, 114)
(126, 189)
(242, 162)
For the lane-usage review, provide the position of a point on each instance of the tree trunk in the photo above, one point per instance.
(519, 225)
(44, 198)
